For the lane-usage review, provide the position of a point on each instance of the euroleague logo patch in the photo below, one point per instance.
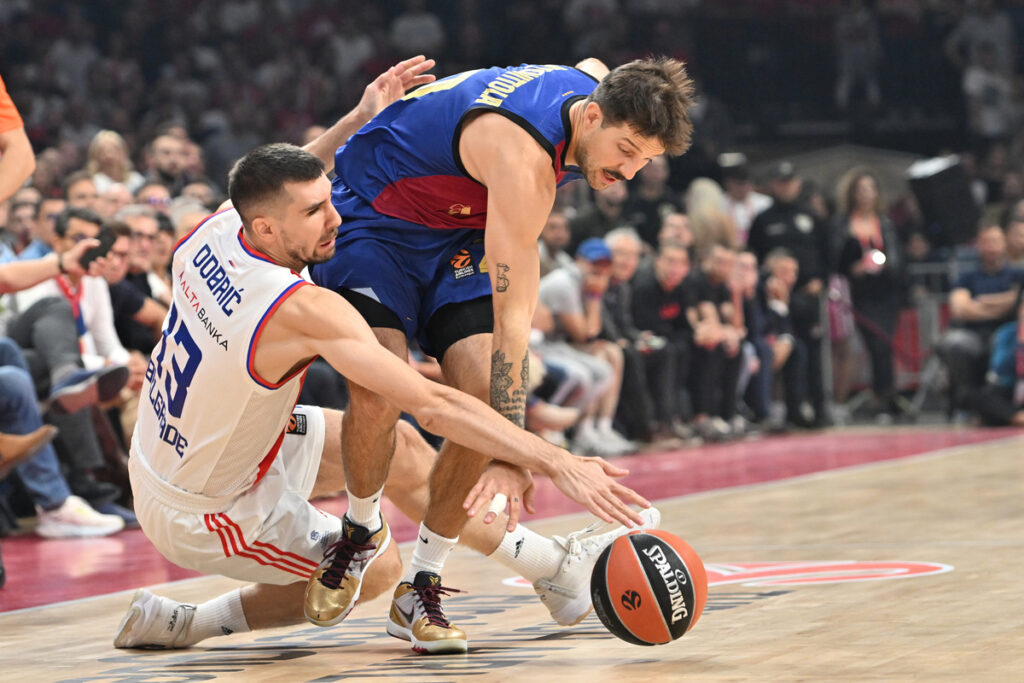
(296, 424)
(462, 264)
(631, 600)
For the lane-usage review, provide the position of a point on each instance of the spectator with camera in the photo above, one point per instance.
(870, 257)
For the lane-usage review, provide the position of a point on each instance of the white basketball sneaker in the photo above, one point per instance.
(154, 622)
(567, 593)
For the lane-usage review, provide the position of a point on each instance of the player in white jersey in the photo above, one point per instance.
(223, 462)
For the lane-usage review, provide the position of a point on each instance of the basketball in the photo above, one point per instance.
(649, 587)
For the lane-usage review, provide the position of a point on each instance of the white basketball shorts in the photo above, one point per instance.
(269, 534)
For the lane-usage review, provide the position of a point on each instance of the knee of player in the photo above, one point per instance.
(367, 407)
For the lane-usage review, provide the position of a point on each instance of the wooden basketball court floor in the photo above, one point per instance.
(851, 555)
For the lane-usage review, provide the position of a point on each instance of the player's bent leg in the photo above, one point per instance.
(416, 613)
(368, 443)
(368, 431)
(466, 367)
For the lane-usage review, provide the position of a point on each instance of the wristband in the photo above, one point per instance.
(60, 265)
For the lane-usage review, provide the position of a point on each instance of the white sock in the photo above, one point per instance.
(604, 425)
(365, 511)
(587, 424)
(221, 616)
(429, 554)
(532, 555)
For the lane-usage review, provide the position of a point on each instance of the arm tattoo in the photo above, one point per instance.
(502, 280)
(511, 404)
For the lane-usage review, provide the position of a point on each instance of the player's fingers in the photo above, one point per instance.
(610, 469)
(515, 509)
(622, 512)
(598, 506)
(528, 500)
(479, 497)
(497, 504)
(420, 80)
(630, 496)
(472, 496)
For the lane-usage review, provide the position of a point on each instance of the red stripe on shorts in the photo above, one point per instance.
(232, 529)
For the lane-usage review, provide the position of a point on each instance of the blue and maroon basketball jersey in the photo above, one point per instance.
(405, 163)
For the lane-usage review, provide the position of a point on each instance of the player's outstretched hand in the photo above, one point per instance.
(588, 481)
(501, 484)
(393, 83)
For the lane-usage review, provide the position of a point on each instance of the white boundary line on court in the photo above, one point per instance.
(928, 455)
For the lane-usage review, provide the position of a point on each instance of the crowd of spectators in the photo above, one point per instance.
(697, 303)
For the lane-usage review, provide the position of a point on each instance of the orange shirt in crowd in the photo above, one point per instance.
(9, 116)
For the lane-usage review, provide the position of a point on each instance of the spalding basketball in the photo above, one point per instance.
(649, 587)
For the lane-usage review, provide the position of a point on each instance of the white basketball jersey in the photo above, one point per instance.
(208, 423)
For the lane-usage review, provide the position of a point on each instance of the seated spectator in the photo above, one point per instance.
(787, 355)
(555, 385)
(203, 192)
(63, 323)
(740, 202)
(154, 195)
(80, 190)
(109, 163)
(718, 332)
(554, 238)
(661, 295)
(573, 295)
(1014, 227)
(981, 301)
(709, 222)
(42, 228)
(600, 217)
(17, 234)
(648, 409)
(145, 229)
(59, 514)
(165, 163)
(114, 198)
(757, 372)
(675, 228)
(650, 199)
(1000, 402)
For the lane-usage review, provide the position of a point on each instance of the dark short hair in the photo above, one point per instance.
(119, 228)
(76, 177)
(262, 173)
(17, 205)
(672, 244)
(151, 183)
(81, 213)
(651, 96)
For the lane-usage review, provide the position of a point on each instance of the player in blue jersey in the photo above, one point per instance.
(443, 195)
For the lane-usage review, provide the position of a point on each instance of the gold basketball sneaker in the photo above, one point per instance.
(333, 589)
(567, 593)
(416, 616)
(155, 622)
